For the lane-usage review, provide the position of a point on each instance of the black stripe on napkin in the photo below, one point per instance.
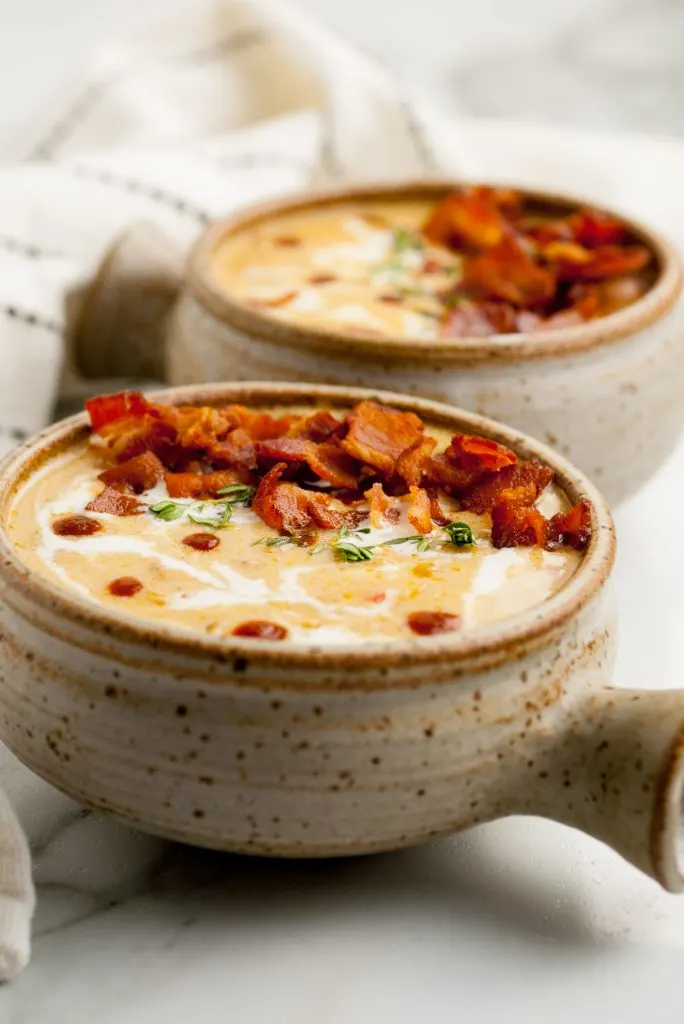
(140, 188)
(25, 316)
(27, 249)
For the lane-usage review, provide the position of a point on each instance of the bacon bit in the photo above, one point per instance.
(139, 473)
(593, 228)
(419, 510)
(436, 512)
(125, 586)
(201, 541)
(262, 629)
(517, 526)
(114, 503)
(467, 216)
(327, 461)
(109, 408)
(290, 509)
(319, 427)
(378, 435)
(507, 273)
(411, 463)
(378, 598)
(441, 472)
(258, 425)
(198, 485)
(572, 527)
(287, 241)
(380, 505)
(430, 623)
(75, 526)
(519, 484)
(467, 451)
(395, 300)
(236, 450)
(316, 279)
(606, 261)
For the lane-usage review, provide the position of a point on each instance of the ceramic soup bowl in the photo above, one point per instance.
(606, 393)
(310, 751)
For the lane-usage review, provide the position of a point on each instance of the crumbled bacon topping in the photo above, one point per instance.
(378, 436)
(313, 472)
(115, 503)
(520, 262)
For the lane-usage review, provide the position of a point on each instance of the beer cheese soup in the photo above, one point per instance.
(302, 524)
(482, 261)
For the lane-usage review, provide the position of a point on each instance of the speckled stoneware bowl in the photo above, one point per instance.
(608, 394)
(294, 750)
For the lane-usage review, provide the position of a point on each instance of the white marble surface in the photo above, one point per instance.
(521, 921)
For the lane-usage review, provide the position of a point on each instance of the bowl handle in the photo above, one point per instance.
(118, 325)
(615, 769)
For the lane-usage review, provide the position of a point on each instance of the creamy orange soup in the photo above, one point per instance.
(479, 262)
(253, 574)
(346, 266)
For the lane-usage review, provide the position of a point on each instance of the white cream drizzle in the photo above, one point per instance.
(224, 586)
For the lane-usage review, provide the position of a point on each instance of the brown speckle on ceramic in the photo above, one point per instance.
(305, 751)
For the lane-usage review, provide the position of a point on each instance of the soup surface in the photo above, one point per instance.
(478, 263)
(216, 567)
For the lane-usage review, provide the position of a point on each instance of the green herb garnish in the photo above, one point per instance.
(421, 541)
(216, 514)
(403, 240)
(237, 494)
(168, 510)
(460, 534)
(349, 551)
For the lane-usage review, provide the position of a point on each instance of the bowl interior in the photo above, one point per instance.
(528, 626)
(664, 289)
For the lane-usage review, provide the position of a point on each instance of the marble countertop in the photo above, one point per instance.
(523, 920)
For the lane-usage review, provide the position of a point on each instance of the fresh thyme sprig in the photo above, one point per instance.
(403, 240)
(212, 513)
(168, 510)
(459, 534)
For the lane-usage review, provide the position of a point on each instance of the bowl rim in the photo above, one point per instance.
(495, 640)
(260, 325)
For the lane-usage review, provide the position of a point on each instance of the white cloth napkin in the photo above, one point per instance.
(241, 101)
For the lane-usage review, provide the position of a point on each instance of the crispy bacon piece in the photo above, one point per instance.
(517, 526)
(379, 435)
(572, 527)
(597, 264)
(419, 510)
(320, 426)
(441, 472)
(436, 512)
(236, 449)
(259, 425)
(411, 463)
(139, 473)
(199, 485)
(468, 451)
(115, 503)
(519, 484)
(381, 507)
(327, 461)
(108, 408)
(468, 216)
(505, 272)
(290, 509)
(594, 228)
